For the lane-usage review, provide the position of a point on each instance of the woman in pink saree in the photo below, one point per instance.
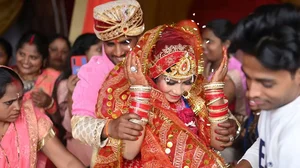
(25, 129)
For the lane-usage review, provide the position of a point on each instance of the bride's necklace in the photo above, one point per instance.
(178, 106)
(18, 147)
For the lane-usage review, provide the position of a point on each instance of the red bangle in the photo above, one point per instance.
(141, 105)
(210, 97)
(214, 91)
(217, 107)
(218, 114)
(138, 112)
(140, 94)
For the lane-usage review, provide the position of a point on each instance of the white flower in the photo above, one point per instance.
(191, 123)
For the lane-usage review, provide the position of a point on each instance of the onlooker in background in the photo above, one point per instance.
(250, 132)
(59, 48)
(25, 130)
(5, 51)
(31, 57)
(87, 44)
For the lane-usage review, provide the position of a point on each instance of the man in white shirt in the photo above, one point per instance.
(269, 43)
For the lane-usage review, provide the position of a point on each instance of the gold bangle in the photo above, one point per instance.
(214, 85)
(214, 93)
(210, 83)
(50, 105)
(214, 88)
(218, 119)
(140, 99)
(214, 101)
(238, 131)
(140, 88)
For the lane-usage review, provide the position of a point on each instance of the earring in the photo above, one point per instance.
(186, 94)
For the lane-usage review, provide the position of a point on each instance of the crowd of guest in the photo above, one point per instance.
(174, 96)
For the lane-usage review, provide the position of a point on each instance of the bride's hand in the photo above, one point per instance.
(220, 74)
(133, 70)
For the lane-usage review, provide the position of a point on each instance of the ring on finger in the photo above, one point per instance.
(231, 138)
(225, 66)
(133, 69)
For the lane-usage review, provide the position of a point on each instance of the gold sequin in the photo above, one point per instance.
(124, 97)
(109, 90)
(188, 161)
(175, 130)
(167, 150)
(110, 97)
(170, 136)
(116, 68)
(206, 162)
(190, 146)
(186, 167)
(109, 104)
(169, 144)
(109, 111)
(114, 116)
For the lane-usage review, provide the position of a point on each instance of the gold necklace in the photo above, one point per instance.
(18, 147)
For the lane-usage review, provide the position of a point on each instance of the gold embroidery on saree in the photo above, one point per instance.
(32, 131)
(163, 132)
(180, 149)
(114, 144)
(197, 157)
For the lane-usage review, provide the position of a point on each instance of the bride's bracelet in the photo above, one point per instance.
(140, 103)
(214, 85)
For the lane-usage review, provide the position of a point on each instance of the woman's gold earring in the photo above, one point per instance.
(186, 94)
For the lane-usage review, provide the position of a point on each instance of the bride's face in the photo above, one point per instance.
(173, 89)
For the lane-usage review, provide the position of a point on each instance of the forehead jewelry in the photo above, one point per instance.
(167, 78)
(18, 95)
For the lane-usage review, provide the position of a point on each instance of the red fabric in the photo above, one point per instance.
(101, 26)
(187, 115)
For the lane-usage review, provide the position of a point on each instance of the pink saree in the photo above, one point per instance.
(24, 136)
